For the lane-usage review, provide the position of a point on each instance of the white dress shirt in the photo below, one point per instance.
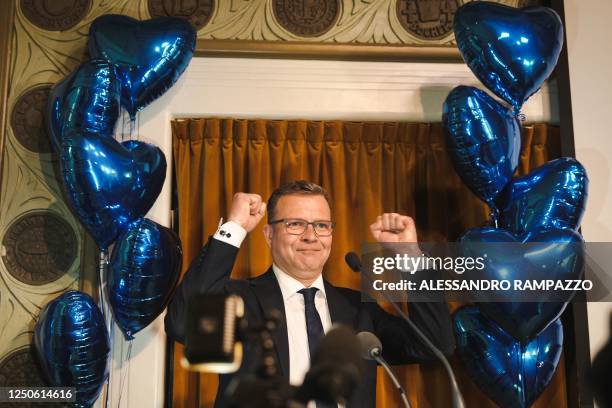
(299, 353)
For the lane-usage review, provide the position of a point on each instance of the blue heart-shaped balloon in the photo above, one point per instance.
(87, 100)
(552, 196)
(149, 55)
(484, 140)
(550, 254)
(73, 345)
(144, 269)
(511, 51)
(110, 184)
(511, 374)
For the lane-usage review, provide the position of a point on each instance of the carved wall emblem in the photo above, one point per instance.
(306, 18)
(197, 12)
(20, 369)
(427, 19)
(27, 120)
(40, 248)
(55, 15)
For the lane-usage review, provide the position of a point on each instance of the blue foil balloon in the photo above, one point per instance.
(511, 374)
(87, 100)
(511, 51)
(144, 269)
(552, 196)
(484, 140)
(149, 55)
(558, 255)
(73, 345)
(110, 184)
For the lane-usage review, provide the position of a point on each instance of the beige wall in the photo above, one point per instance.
(589, 41)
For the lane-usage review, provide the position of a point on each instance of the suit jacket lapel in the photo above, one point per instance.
(340, 310)
(270, 297)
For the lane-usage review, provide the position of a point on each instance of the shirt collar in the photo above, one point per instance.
(290, 286)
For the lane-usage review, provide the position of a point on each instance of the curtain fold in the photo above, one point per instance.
(368, 168)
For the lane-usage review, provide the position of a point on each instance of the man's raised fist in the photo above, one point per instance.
(247, 210)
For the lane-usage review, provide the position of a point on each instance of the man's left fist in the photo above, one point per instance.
(393, 227)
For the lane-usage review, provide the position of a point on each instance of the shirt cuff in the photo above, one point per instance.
(231, 233)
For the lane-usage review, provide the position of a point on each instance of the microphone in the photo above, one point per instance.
(371, 349)
(335, 370)
(353, 261)
(211, 329)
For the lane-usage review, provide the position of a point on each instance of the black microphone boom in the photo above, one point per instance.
(371, 349)
(353, 261)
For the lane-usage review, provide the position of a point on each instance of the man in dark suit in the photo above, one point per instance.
(299, 233)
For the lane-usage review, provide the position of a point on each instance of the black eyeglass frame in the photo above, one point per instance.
(286, 220)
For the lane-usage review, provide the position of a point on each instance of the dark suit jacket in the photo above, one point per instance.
(210, 271)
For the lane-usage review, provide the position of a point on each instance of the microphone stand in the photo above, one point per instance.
(380, 360)
(457, 397)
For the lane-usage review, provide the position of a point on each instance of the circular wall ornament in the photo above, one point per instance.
(19, 368)
(55, 15)
(306, 18)
(40, 248)
(427, 19)
(197, 12)
(27, 120)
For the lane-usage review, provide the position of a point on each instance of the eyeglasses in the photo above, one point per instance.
(296, 226)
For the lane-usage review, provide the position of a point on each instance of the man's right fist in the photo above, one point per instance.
(247, 210)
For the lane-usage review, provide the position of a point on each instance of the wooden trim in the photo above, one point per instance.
(310, 50)
(7, 15)
(577, 349)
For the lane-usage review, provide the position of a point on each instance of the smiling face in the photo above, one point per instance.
(300, 256)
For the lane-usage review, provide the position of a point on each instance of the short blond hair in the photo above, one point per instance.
(299, 187)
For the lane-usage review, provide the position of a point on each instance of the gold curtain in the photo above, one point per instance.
(368, 169)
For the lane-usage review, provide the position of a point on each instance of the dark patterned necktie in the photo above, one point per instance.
(314, 327)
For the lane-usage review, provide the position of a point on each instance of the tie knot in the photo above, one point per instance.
(309, 294)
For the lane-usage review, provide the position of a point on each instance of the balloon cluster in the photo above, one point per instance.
(511, 349)
(111, 186)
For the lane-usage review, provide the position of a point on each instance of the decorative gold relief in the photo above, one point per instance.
(306, 18)
(55, 15)
(361, 29)
(27, 120)
(198, 12)
(382, 22)
(427, 19)
(40, 247)
(19, 369)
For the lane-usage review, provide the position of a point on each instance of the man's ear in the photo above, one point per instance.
(267, 230)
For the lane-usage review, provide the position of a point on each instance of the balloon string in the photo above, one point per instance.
(111, 342)
(128, 358)
(101, 272)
